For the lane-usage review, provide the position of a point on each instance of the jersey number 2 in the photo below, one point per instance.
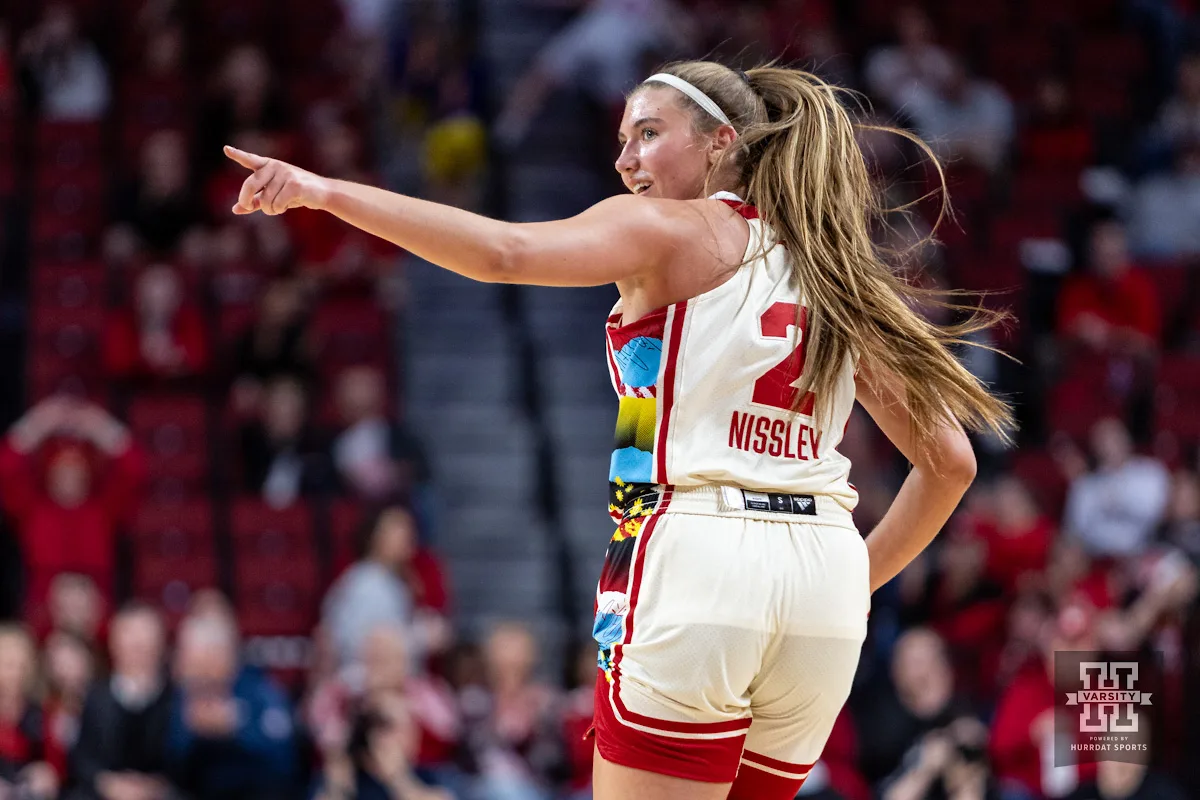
(775, 387)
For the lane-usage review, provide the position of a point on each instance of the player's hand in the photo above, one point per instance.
(276, 185)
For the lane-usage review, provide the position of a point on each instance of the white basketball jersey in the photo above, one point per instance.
(707, 390)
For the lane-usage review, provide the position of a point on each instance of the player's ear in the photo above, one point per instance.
(721, 140)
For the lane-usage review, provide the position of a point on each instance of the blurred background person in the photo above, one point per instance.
(121, 749)
(375, 457)
(281, 459)
(353, 716)
(68, 77)
(372, 592)
(230, 733)
(914, 61)
(69, 665)
(69, 475)
(24, 768)
(158, 206)
(1111, 307)
(508, 719)
(161, 336)
(275, 345)
(1116, 509)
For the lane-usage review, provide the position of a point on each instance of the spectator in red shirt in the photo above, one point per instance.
(1111, 308)
(23, 769)
(1056, 136)
(160, 337)
(1022, 740)
(65, 519)
(1015, 535)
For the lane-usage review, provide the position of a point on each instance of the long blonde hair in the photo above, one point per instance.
(801, 165)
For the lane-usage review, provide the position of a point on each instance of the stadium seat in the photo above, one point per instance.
(1051, 192)
(1103, 101)
(277, 598)
(1177, 401)
(276, 571)
(173, 429)
(69, 286)
(262, 532)
(69, 145)
(1173, 287)
(351, 332)
(1109, 57)
(1043, 477)
(72, 334)
(1082, 398)
(173, 553)
(1009, 232)
(50, 375)
(346, 518)
(62, 239)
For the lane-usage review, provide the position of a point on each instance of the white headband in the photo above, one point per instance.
(700, 98)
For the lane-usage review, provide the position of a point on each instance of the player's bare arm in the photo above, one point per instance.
(619, 239)
(941, 474)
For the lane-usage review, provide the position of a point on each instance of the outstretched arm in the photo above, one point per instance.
(617, 239)
(941, 474)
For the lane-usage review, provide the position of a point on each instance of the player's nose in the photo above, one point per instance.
(626, 161)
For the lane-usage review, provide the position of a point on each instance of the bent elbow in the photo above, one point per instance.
(958, 465)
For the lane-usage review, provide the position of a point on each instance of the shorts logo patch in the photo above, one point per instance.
(780, 503)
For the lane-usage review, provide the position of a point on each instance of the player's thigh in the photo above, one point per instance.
(616, 782)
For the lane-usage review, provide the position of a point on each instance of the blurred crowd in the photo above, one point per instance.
(191, 372)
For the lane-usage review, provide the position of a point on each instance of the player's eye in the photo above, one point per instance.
(649, 133)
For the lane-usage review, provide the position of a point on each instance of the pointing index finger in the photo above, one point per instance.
(247, 160)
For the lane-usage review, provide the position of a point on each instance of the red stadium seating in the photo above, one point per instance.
(72, 334)
(1177, 401)
(276, 571)
(50, 375)
(174, 432)
(351, 332)
(69, 145)
(1110, 57)
(262, 532)
(70, 286)
(1172, 287)
(1083, 398)
(173, 553)
(1043, 477)
(1108, 100)
(346, 518)
(1050, 192)
(1007, 233)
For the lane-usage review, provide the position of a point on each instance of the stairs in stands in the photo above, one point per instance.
(464, 401)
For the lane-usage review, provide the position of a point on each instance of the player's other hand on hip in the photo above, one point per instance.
(275, 186)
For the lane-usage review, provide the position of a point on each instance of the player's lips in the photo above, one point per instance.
(640, 187)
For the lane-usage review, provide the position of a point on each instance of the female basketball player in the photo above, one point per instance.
(734, 597)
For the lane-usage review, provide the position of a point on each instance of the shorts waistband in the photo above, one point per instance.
(716, 499)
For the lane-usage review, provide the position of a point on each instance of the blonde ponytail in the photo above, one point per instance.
(801, 165)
